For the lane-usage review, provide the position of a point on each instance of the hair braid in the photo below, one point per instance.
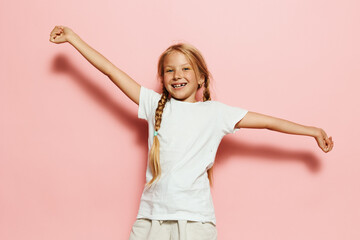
(155, 148)
(206, 92)
(206, 97)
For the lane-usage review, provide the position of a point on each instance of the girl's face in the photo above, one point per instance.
(179, 77)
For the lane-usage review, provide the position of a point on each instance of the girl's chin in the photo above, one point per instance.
(178, 96)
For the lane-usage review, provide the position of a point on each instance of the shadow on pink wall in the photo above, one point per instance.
(230, 147)
(62, 64)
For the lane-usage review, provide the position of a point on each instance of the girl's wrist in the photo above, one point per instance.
(315, 132)
(71, 37)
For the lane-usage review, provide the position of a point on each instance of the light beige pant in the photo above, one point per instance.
(146, 229)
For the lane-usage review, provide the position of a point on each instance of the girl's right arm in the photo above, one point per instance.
(131, 88)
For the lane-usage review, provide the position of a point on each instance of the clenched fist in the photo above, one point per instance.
(60, 34)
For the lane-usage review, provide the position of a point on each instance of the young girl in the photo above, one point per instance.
(184, 135)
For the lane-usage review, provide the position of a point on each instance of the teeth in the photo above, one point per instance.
(178, 85)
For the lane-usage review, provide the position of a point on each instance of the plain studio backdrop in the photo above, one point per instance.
(73, 152)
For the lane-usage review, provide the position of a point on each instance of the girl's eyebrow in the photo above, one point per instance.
(180, 65)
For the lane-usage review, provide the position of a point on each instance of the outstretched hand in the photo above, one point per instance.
(60, 34)
(324, 142)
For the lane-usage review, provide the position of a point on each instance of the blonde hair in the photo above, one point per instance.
(197, 61)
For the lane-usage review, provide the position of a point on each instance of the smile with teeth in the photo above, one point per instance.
(178, 85)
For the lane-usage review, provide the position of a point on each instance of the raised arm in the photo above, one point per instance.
(257, 120)
(131, 88)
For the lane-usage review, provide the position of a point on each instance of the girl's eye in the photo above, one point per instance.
(169, 70)
(186, 68)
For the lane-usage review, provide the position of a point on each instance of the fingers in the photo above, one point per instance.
(324, 142)
(328, 144)
(325, 146)
(57, 31)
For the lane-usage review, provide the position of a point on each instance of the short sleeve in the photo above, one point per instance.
(147, 103)
(229, 116)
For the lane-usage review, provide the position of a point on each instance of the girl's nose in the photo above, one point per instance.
(178, 74)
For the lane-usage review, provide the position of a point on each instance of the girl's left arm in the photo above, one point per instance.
(257, 120)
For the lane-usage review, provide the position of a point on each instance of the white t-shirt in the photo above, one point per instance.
(189, 136)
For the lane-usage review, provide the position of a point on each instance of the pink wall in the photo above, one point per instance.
(73, 153)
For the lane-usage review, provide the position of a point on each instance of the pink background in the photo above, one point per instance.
(73, 153)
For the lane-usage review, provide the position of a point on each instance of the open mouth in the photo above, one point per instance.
(178, 85)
